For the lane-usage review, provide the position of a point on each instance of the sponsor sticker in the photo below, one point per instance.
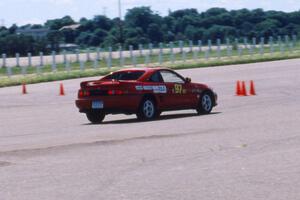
(148, 87)
(158, 89)
(196, 91)
(162, 89)
(139, 87)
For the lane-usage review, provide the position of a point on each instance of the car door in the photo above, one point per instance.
(159, 88)
(177, 90)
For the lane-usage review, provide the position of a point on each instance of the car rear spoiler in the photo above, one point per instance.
(96, 83)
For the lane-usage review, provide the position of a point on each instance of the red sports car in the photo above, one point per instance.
(146, 92)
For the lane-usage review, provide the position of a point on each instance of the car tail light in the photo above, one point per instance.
(83, 93)
(80, 93)
(114, 92)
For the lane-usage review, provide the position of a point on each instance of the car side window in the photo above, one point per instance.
(156, 78)
(170, 77)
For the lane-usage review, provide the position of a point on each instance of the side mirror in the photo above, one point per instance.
(188, 80)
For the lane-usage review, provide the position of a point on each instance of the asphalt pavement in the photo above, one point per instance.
(248, 148)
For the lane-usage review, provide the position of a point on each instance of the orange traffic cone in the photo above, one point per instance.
(24, 90)
(252, 88)
(238, 88)
(61, 90)
(244, 90)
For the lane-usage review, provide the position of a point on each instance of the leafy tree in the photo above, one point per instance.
(142, 25)
(154, 33)
(267, 27)
(56, 24)
(102, 22)
(86, 25)
(55, 38)
(12, 29)
(169, 37)
(110, 41)
(100, 33)
(84, 38)
(69, 35)
(184, 12)
(215, 11)
(141, 17)
(219, 32)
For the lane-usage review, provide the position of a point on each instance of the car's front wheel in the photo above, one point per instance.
(95, 117)
(205, 104)
(147, 110)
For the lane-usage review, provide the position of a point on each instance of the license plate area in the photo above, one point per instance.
(97, 105)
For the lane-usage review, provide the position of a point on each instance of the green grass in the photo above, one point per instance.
(47, 75)
(214, 63)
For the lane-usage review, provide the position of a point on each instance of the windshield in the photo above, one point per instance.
(125, 76)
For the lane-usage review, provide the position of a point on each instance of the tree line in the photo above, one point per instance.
(141, 25)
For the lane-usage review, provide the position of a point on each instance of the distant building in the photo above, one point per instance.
(70, 27)
(35, 33)
(68, 47)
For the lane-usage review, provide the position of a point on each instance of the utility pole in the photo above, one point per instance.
(120, 9)
(121, 39)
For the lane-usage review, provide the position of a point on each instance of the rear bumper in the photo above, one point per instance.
(111, 104)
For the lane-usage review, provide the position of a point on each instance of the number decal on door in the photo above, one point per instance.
(178, 89)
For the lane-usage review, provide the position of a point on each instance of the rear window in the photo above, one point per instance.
(125, 76)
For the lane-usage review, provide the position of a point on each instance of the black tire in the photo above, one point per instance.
(95, 117)
(206, 103)
(147, 110)
(158, 113)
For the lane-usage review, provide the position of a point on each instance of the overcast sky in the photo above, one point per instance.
(38, 11)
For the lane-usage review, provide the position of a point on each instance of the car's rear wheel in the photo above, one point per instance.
(147, 110)
(95, 117)
(205, 104)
